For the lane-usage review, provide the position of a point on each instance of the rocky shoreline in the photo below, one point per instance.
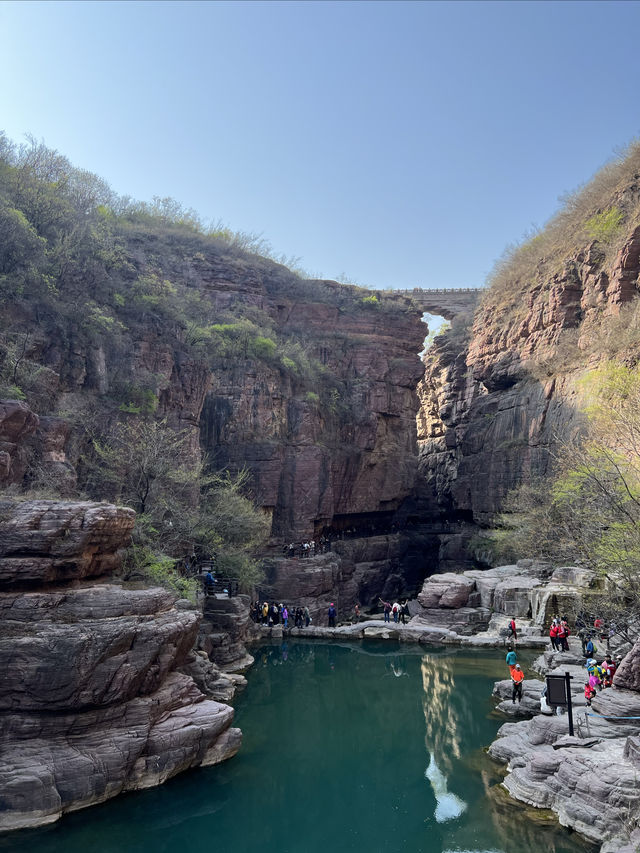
(588, 781)
(98, 691)
(110, 688)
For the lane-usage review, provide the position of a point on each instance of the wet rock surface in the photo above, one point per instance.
(91, 702)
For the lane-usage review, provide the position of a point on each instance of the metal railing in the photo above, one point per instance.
(428, 291)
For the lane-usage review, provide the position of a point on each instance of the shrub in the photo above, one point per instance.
(159, 569)
(370, 301)
(604, 226)
(11, 392)
(263, 348)
(137, 400)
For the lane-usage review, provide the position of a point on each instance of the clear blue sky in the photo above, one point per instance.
(400, 144)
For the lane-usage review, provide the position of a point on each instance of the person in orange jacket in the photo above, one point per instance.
(517, 677)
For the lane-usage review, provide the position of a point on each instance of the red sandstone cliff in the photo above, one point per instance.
(497, 395)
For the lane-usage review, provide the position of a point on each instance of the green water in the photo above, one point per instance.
(337, 742)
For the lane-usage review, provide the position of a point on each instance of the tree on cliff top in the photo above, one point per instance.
(145, 464)
(590, 511)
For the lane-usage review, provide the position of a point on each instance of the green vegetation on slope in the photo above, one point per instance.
(605, 210)
(590, 509)
(103, 297)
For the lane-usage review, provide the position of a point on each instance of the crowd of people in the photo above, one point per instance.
(600, 675)
(270, 614)
(559, 634)
(307, 549)
(399, 610)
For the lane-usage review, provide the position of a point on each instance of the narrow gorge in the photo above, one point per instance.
(312, 392)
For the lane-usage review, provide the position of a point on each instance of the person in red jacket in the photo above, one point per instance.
(553, 635)
(512, 629)
(563, 633)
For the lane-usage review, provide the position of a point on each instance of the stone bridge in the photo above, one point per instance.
(444, 302)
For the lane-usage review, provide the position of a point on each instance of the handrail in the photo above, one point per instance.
(606, 717)
(429, 290)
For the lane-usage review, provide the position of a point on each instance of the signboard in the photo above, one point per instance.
(557, 690)
(559, 694)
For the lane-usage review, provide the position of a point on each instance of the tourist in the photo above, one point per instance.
(584, 638)
(356, 612)
(512, 629)
(209, 583)
(511, 659)
(589, 693)
(332, 615)
(563, 632)
(590, 648)
(396, 611)
(386, 607)
(285, 616)
(307, 617)
(553, 635)
(265, 613)
(598, 624)
(517, 677)
(610, 666)
(404, 611)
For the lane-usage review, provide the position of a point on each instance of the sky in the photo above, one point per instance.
(391, 144)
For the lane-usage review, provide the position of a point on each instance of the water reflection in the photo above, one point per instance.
(333, 758)
(448, 806)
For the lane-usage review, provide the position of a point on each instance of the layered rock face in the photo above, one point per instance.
(477, 600)
(497, 395)
(590, 781)
(91, 703)
(324, 461)
(323, 415)
(355, 571)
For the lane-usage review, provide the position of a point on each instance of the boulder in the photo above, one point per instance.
(447, 591)
(511, 596)
(628, 673)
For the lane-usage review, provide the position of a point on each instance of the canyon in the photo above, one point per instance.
(316, 390)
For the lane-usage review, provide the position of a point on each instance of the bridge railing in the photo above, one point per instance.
(428, 291)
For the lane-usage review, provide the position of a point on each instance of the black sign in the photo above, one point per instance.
(557, 690)
(559, 693)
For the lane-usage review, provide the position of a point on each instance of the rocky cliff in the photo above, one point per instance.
(310, 385)
(502, 388)
(91, 699)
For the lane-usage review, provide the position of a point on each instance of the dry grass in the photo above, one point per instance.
(605, 209)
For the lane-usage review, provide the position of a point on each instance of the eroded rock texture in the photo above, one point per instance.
(355, 571)
(590, 780)
(499, 394)
(91, 703)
